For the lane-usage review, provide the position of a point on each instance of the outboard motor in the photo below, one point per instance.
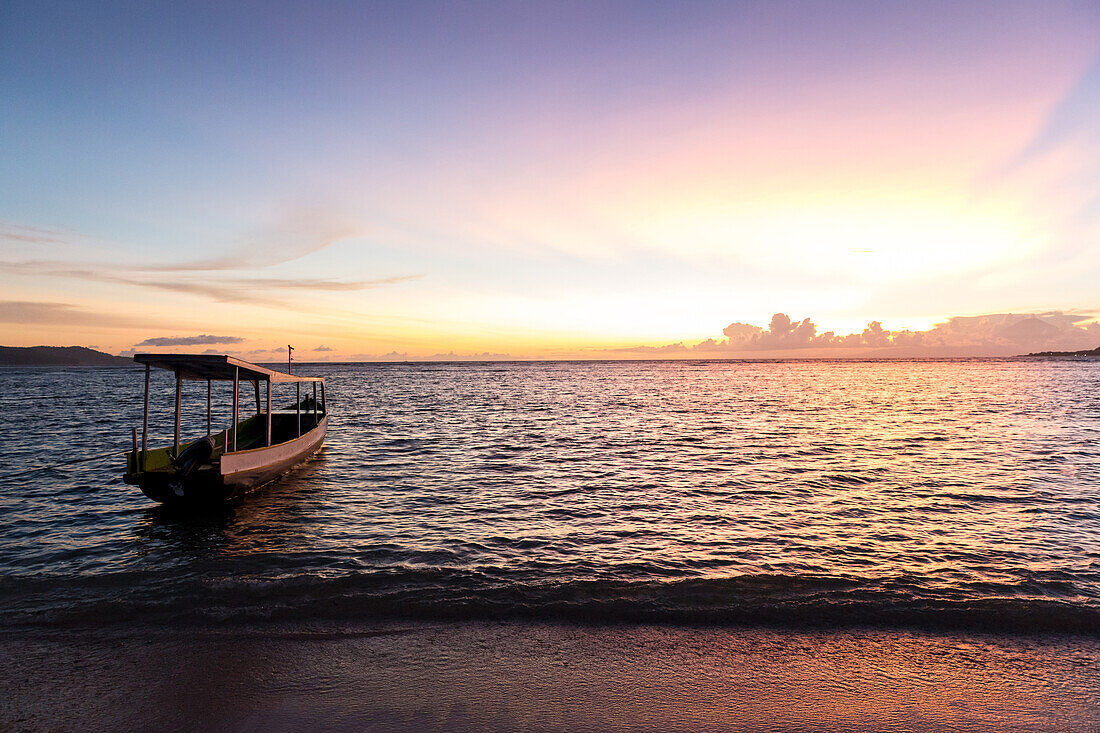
(193, 456)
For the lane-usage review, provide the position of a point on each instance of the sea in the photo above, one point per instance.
(947, 495)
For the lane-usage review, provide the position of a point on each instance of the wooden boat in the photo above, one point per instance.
(245, 456)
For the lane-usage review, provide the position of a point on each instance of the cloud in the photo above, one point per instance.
(200, 340)
(997, 334)
(322, 284)
(29, 235)
(259, 291)
(1031, 331)
(448, 356)
(323, 348)
(265, 355)
(216, 292)
(1056, 169)
(391, 356)
(25, 311)
(256, 291)
(783, 334)
(61, 314)
(1073, 119)
(452, 356)
(676, 348)
(301, 231)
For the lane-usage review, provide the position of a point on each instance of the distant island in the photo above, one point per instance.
(1083, 352)
(58, 356)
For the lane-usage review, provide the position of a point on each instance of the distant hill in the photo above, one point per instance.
(58, 356)
(1083, 352)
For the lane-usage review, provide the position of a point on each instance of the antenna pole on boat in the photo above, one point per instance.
(289, 349)
(179, 400)
(236, 402)
(268, 412)
(145, 421)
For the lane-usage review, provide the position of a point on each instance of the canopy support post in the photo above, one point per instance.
(314, 404)
(236, 402)
(209, 390)
(179, 401)
(145, 422)
(256, 384)
(268, 413)
(324, 403)
(298, 407)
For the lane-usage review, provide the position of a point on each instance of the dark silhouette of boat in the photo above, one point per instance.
(245, 456)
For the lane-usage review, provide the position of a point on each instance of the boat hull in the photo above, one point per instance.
(233, 474)
(248, 469)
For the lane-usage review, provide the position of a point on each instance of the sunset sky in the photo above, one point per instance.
(546, 180)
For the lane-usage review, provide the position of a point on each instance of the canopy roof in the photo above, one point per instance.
(217, 366)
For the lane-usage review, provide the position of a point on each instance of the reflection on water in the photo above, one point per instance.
(927, 492)
(236, 529)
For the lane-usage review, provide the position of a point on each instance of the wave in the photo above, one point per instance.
(793, 601)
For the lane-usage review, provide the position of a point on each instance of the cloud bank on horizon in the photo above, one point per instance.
(996, 334)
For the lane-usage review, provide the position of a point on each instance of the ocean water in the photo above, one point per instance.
(883, 494)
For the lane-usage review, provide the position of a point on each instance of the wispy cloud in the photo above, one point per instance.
(1074, 118)
(60, 314)
(300, 231)
(247, 290)
(323, 284)
(219, 292)
(200, 340)
(29, 235)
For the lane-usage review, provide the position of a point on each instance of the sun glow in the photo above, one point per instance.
(863, 243)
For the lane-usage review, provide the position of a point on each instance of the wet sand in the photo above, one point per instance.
(486, 676)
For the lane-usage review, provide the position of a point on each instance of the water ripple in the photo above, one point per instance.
(928, 492)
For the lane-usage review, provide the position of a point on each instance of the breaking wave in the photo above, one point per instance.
(445, 594)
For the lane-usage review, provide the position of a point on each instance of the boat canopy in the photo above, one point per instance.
(217, 367)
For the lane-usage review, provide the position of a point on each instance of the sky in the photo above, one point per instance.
(550, 180)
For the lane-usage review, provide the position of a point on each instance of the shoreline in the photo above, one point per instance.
(545, 676)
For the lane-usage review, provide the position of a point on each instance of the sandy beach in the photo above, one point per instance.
(487, 676)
